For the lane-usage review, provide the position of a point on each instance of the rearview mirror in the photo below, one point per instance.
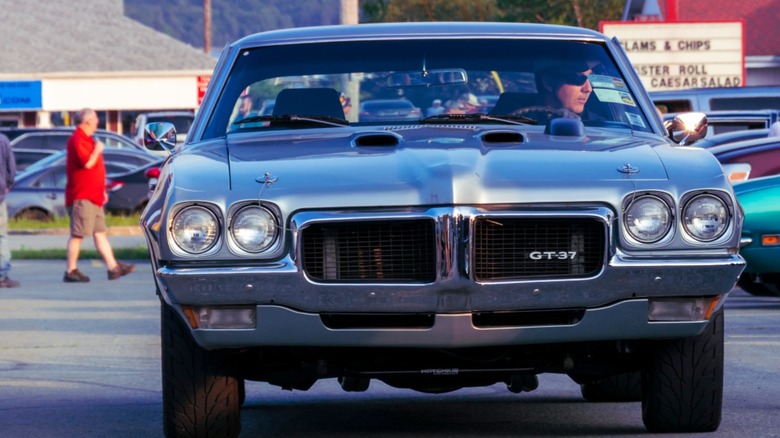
(427, 78)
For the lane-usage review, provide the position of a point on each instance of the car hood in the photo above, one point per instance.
(423, 166)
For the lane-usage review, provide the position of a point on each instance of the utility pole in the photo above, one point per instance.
(207, 26)
(349, 15)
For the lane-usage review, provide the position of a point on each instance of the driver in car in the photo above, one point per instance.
(564, 90)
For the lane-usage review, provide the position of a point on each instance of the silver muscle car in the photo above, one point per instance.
(486, 243)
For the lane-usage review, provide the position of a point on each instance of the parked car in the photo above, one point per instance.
(717, 98)
(731, 137)
(182, 120)
(760, 198)
(128, 192)
(380, 110)
(40, 194)
(55, 139)
(720, 122)
(749, 159)
(456, 251)
(26, 157)
(129, 158)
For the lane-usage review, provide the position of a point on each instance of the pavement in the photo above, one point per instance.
(119, 237)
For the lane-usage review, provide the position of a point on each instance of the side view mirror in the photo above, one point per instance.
(687, 128)
(160, 136)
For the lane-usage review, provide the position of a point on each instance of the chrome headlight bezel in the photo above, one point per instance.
(662, 227)
(192, 217)
(240, 229)
(718, 206)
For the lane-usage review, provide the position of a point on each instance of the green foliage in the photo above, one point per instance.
(582, 13)
(138, 253)
(64, 222)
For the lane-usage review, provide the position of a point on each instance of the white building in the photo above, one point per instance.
(59, 57)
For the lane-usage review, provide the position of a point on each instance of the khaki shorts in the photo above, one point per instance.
(86, 218)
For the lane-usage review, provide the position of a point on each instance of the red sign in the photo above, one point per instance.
(203, 83)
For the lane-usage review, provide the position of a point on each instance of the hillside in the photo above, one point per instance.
(230, 19)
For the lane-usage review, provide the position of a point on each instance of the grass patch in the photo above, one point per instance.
(64, 222)
(139, 252)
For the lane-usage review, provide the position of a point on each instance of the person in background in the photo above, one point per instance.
(245, 109)
(85, 194)
(7, 175)
(435, 109)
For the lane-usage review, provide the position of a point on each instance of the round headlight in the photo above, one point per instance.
(195, 229)
(706, 217)
(253, 229)
(648, 219)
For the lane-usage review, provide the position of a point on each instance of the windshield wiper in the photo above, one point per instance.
(292, 118)
(479, 117)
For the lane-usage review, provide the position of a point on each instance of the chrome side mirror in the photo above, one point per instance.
(160, 136)
(687, 128)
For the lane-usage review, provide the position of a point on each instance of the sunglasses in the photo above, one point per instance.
(577, 79)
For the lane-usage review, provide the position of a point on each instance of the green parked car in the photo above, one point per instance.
(760, 198)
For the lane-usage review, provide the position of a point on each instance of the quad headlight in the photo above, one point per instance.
(648, 219)
(705, 217)
(254, 229)
(195, 229)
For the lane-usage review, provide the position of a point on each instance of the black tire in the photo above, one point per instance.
(682, 384)
(623, 387)
(749, 285)
(35, 214)
(200, 396)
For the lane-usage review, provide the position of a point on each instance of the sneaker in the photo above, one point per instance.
(7, 282)
(75, 276)
(121, 270)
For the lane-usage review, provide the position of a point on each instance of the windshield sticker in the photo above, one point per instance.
(602, 81)
(614, 96)
(635, 119)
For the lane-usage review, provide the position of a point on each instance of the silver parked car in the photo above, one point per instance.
(437, 253)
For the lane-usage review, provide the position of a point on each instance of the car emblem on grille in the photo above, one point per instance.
(552, 255)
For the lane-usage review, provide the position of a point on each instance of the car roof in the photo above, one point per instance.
(13, 133)
(732, 137)
(718, 91)
(754, 144)
(375, 31)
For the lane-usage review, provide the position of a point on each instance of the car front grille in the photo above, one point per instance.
(527, 248)
(373, 251)
(405, 250)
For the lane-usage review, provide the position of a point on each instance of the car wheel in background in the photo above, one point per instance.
(748, 283)
(34, 215)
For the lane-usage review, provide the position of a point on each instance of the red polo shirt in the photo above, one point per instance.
(84, 183)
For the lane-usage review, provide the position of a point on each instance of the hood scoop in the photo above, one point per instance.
(502, 137)
(376, 139)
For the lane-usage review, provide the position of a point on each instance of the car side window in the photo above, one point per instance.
(49, 179)
(31, 141)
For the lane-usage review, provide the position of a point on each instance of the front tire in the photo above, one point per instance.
(200, 396)
(682, 383)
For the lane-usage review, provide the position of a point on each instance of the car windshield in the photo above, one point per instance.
(336, 84)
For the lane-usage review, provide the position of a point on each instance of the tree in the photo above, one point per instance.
(582, 13)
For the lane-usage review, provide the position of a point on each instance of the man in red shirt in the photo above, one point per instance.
(85, 194)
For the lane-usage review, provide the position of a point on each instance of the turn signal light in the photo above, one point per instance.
(770, 240)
